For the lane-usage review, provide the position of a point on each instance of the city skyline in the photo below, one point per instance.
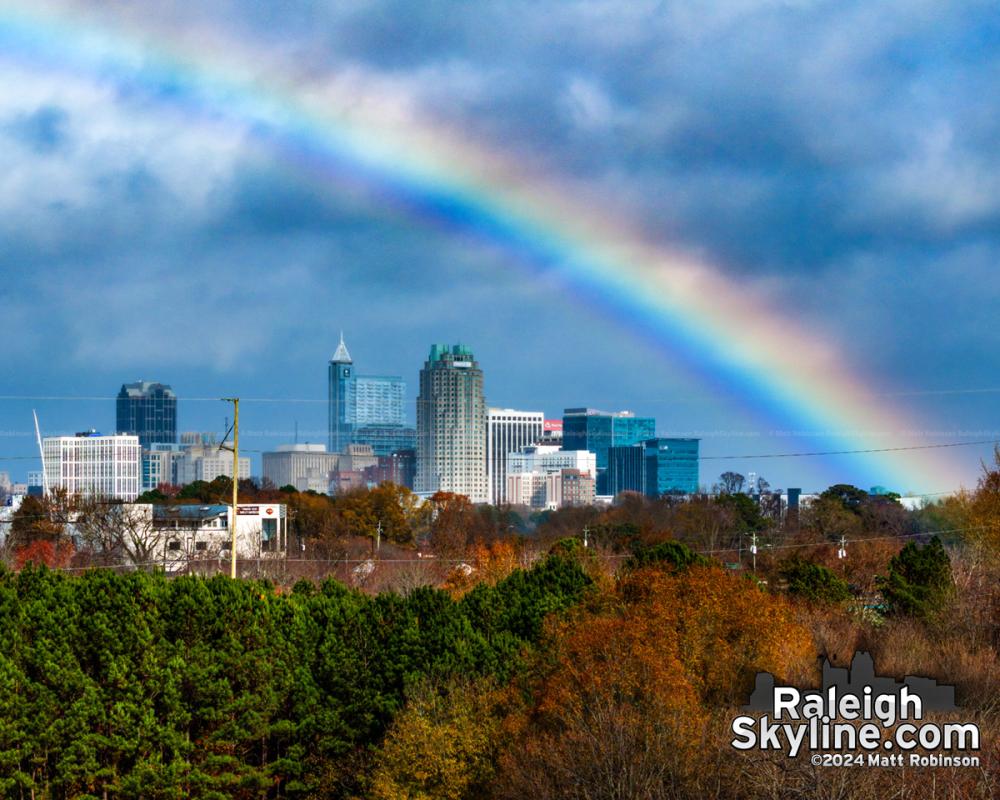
(284, 434)
(469, 399)
(781, 244)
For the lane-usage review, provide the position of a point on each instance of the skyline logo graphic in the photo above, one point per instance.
(858, 718)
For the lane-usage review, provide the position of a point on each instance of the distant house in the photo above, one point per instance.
(188, 533)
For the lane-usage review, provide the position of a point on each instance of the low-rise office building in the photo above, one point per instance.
(307, 467)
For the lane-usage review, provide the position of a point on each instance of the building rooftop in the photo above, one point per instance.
(141, 388)
(450, 352)
(593, 412)
(341, 355)
(189, 512)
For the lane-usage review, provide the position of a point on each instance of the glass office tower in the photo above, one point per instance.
(599, 431)
(671, 466)
(147, 410)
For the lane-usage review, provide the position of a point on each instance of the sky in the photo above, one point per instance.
(836, 158)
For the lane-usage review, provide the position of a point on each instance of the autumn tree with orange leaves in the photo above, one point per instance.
(622, 693)
(488, 563)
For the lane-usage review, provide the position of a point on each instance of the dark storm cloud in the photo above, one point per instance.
(773, 136)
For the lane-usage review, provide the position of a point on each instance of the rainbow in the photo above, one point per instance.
(359, 133)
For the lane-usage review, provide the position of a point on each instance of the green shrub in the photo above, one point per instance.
(919, 581)
(813, 582)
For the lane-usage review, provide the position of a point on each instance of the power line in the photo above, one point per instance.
(798, 545)
(745, 456)
(607, 556)
(99, 398)
(852, 452)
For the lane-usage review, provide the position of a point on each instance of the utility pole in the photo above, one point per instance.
(377, 541)
(753, 550)
(586, 530)
(236, 482)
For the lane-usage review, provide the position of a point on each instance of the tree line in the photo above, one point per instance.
(138, 686)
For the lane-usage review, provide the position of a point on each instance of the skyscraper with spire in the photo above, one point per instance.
(365, 409)
(341, 396)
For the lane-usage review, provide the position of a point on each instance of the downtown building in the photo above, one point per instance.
(159, 465)
(546, 459)
(671, 466)
(307, 467)
(545, 476)
(206, 462)
(655, 467)
(352, 468)
(451, 425)
(310, 467)
(599, 431)
(569, 487)
(198, 457)
(551, 490)
(365, 409)
(552, 432)
(385, 440)
(507, 431)
(147, 410)
(399, 467)
(90, 464)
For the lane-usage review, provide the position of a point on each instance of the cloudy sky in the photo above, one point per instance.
(838, 158)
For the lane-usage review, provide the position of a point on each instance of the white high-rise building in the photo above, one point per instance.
(93, 465)
(507, 431)
(451, 425)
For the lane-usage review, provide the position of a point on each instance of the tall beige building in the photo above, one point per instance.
(451, 425)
